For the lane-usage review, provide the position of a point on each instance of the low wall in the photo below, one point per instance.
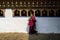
(20, 24)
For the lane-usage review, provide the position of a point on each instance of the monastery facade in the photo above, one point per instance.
(14, 15)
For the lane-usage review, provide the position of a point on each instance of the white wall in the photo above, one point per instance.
(48, 25)
(20, 24)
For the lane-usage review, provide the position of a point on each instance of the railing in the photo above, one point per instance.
(30, 4)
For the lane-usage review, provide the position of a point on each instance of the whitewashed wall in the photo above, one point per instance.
(20, 24)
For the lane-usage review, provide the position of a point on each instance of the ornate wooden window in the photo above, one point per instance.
(58, 13)
(58, 3)
(37, 13)
(30, 12)
(35, 3)
(26, 4)
(23, 13)
(16, 13)
(12, 4)
(51, 3)
(39, 4)
(1, 13)
(51, 13)
(44, 13)
(29, 4)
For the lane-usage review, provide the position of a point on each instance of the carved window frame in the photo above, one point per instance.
(51, 12)
(57, 13)
(30, 12)
(13, 10)
(23, 11)
(2, 10)
(37, 11)
(43, 12)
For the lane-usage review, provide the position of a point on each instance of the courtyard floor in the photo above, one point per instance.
(25, 36)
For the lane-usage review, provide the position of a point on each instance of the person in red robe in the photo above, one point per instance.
(32, 25)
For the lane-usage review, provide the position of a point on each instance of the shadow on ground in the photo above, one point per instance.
(44, 37)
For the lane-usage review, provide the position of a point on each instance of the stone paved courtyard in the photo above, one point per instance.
(25, 36)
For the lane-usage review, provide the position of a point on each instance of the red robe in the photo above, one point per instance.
(34, 21)
(32, 25)
(33, 18)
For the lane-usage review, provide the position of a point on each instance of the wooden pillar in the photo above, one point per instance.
(27, 12)
(20, 12)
